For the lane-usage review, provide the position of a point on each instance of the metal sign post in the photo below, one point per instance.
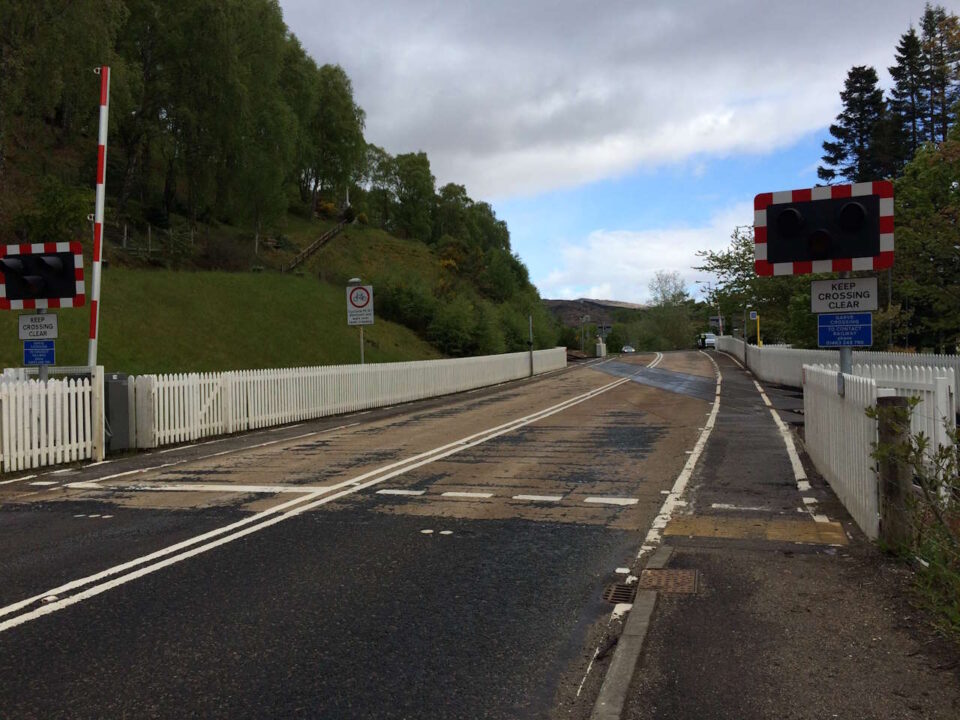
(359, 307)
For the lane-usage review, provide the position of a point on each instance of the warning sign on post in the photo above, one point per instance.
(39, 326)
(849, 295)
(360, 305)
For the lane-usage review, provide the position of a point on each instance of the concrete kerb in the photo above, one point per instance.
(616, 683)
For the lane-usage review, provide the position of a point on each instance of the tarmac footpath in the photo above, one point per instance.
(771, 603)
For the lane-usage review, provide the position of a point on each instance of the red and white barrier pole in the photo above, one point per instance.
(104, 73)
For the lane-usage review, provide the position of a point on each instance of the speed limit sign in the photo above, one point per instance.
(360, 305)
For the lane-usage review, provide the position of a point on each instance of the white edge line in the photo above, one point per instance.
(674, 498)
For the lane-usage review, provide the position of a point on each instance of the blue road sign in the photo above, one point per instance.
(39, 352)
(845, 330)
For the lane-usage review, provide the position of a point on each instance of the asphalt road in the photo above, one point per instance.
(444, 559)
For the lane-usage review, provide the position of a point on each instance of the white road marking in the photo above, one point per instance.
(727, 506)
(622, 571)
(267, 518)
(398, 491)
(97, 464)
(62, 471)
(446, 532)
(426, 532)
(799, 474)
(219, 487)
(468, 494)
(45, 482)
(674, 499)
(612, 500)
(175, 448)
(285, 427)
(539, 498)
(19, 479)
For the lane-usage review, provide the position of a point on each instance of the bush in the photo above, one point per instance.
(59, 214)
(362, 219)
(326, 209)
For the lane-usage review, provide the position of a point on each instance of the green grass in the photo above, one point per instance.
(167, 321)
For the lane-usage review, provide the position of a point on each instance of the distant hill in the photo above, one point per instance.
(569, 312)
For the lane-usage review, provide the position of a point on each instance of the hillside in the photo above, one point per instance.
(569, 312)
(167, 321)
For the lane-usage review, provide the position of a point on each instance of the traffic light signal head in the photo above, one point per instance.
(41, 275)
(825, 229)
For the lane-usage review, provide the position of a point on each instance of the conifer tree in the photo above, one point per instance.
(852, 154)
(907, 97)
(940, 42)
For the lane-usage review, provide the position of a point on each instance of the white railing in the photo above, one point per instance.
(52, 422)
(839, 438)
(784, 365)
(183, 407)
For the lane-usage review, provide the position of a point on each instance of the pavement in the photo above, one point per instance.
(794, 614)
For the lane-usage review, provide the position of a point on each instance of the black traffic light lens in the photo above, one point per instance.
(11, 265)
(852, 217)
(789, 223)
(820, 242)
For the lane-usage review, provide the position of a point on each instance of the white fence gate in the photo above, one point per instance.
(184, 407)
(839, 438)
(46, 423)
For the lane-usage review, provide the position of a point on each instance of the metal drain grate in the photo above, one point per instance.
(620, 593)
(670, 581)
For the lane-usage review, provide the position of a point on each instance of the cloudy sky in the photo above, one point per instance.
(615, 138)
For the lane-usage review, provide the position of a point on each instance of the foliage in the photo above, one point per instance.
(927, 271)
(933, 510)
(220, 120)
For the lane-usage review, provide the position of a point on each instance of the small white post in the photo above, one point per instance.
(97, 401)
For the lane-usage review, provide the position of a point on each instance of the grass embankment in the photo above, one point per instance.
(177, 321)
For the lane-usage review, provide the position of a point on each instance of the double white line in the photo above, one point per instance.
(81, 589)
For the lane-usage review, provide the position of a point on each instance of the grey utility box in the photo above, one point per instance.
(116, 400)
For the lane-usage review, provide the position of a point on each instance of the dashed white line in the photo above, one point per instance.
(43, 483)
(458, 494)
(612, 500)
(399, 491)
(19, 479)
(539, 498)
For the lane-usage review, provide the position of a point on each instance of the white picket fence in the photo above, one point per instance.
(935, 390)
(783, 365)
(184, 407)
(52, 422)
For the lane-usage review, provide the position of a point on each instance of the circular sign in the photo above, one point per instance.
(359, 297)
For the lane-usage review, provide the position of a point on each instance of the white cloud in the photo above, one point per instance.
(619, 264)
(515, 98)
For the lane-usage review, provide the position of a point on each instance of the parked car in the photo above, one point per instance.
(707, 340)
(627, 349)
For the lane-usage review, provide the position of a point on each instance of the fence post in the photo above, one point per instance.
(894, 476)
(97, 400)
(146, 431)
